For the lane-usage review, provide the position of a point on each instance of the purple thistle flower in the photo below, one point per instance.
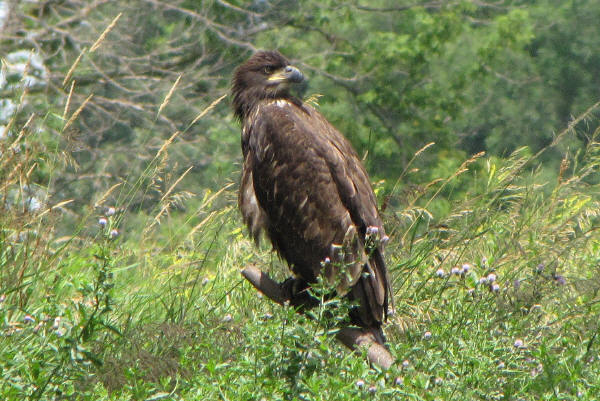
(111, 211)
(540, 268)
(405, 363)
(440, 273)
(483, 280)
(427, 335)
(466, 268)
(519, 343)
(560, 280)
(495, 287)
(372, 389)
(102, 221)
(398, 381)
(372, 230)
(455, 270)
(360, 383)
(28, 319)
(491, 277)
(114, 233)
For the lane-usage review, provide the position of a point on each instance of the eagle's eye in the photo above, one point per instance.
(268, 69)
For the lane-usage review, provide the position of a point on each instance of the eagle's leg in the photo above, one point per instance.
(294, 291)
(299, 297)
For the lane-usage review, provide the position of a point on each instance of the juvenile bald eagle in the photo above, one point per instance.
(306, 188)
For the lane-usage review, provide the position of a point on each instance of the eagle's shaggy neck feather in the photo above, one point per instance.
(246, 100)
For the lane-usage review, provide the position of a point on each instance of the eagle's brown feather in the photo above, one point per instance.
(305, 186)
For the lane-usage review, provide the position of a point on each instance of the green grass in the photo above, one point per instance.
(160, 310)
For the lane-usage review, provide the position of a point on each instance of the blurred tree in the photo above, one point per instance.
(395, 75)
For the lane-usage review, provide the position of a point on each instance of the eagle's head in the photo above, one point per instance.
(265, 75)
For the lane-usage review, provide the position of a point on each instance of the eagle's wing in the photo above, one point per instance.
(253, 215)
(354, 189)
(313, 192)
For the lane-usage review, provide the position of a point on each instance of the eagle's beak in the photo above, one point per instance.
(287, 74)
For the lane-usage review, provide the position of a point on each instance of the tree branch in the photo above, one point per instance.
(352, 337)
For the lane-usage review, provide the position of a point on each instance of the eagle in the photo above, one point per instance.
(305, 187)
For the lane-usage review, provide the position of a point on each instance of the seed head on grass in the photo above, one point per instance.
(100, 39)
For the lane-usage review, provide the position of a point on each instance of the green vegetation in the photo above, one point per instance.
(121, 243)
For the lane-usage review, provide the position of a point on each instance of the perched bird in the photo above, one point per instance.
(305, 187)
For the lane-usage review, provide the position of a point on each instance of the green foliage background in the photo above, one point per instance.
(478, 123)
